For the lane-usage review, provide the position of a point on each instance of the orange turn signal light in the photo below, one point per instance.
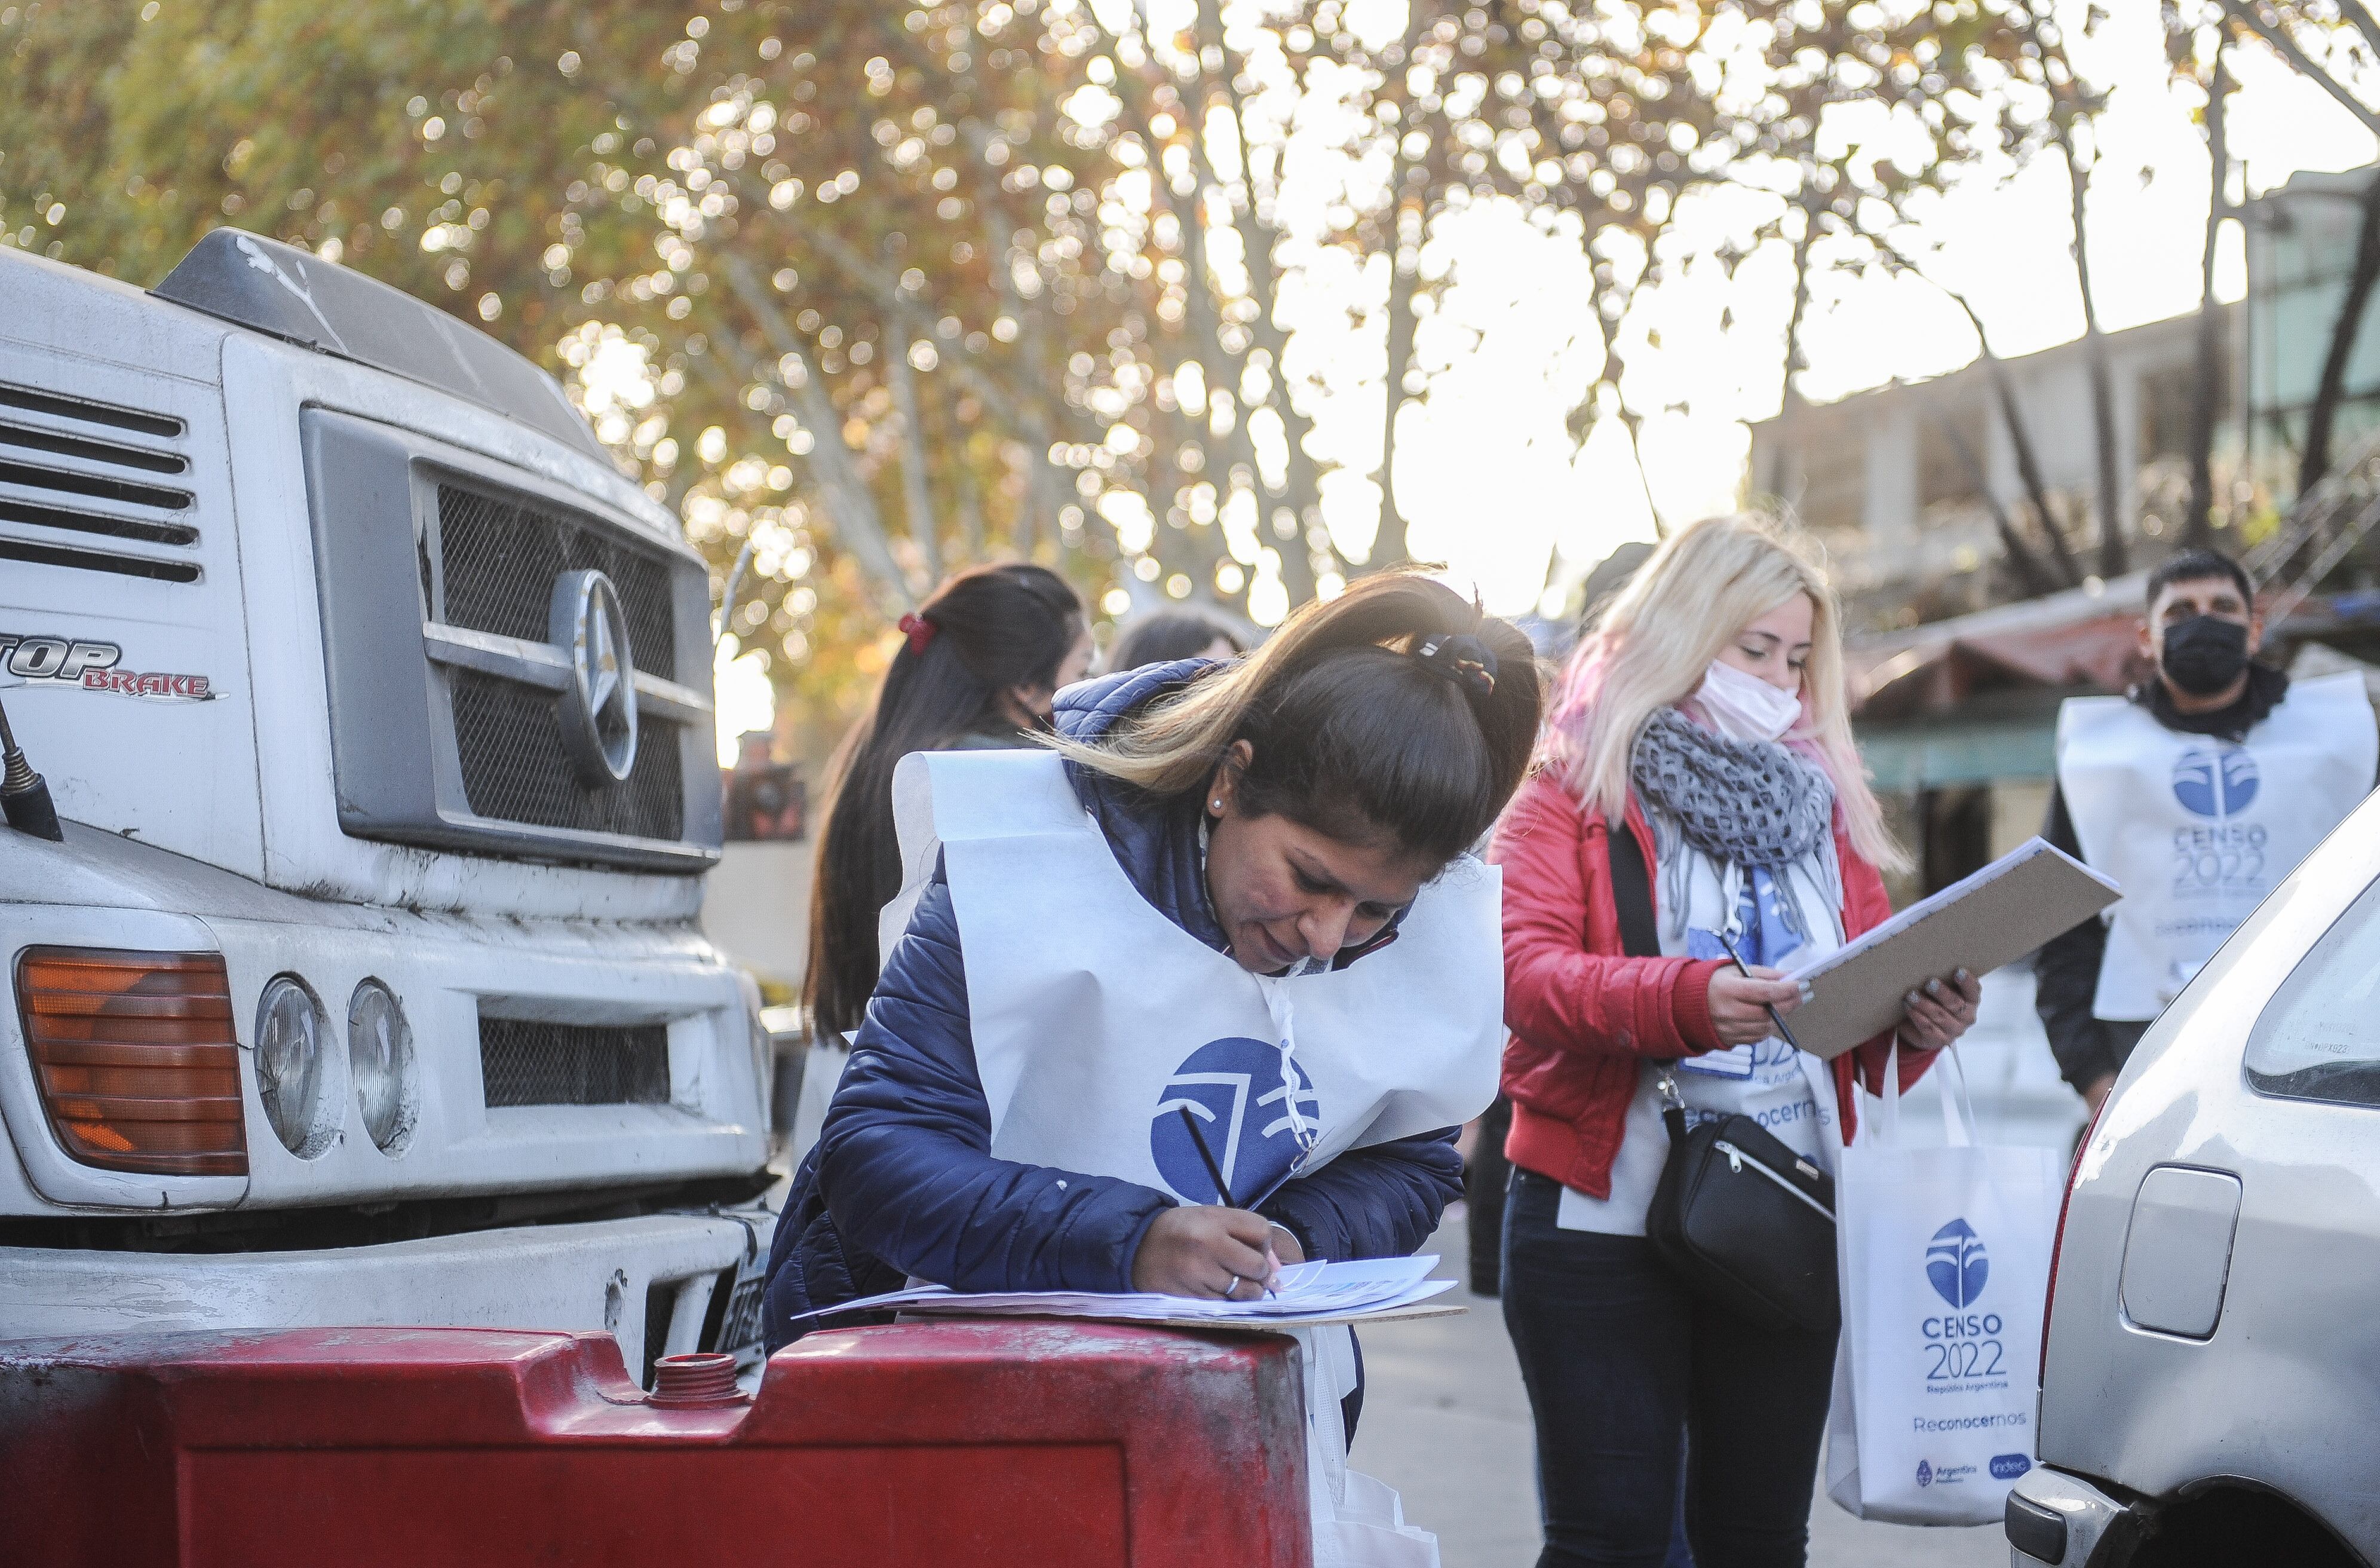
(135, 1059)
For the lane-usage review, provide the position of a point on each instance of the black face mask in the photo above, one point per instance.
(2204, 654)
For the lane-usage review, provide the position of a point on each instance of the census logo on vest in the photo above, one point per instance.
(2216, 780)
(1233, 1088)
(1956, 1265)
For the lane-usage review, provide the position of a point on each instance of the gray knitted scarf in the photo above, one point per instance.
(1744, 803)
(1749, 803)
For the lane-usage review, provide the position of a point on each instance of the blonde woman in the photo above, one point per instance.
(1706, 719)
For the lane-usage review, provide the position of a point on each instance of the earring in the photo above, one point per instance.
(1217, 805)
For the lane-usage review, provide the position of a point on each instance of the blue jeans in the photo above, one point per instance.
(1639, 1391)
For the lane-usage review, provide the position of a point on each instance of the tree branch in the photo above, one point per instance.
(917, 494)
(1789, 397)
(848, 259)
(1030, 410)
(1388, 535)
(2198, 527)
(2354, 11)
(858, 523)
(2067, 106)
(2322, 415)
(2028, 461)
(1045, 492)
(2029, 573)
(2251, 16)
(1303, 490)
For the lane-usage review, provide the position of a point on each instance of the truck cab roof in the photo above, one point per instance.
(272, 287)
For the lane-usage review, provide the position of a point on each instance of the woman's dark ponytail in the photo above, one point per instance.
(984, 632)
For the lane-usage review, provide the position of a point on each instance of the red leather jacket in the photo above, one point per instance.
(1584, 1015)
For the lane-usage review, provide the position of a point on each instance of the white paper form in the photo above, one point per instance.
(1307, 1292)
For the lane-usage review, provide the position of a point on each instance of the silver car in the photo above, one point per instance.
(2211, 1376)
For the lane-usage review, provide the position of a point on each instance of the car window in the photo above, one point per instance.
(2319, 1038)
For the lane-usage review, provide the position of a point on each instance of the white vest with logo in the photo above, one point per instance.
(1097, 1020)
(2197, 830)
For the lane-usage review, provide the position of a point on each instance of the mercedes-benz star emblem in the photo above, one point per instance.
(598, 706)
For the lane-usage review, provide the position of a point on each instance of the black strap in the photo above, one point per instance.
(1631, 889)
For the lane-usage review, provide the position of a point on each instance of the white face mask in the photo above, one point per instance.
(1744, 707)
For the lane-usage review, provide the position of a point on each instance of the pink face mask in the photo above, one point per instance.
(1743, 707)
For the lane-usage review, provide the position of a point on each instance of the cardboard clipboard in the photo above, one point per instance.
(2011, 907)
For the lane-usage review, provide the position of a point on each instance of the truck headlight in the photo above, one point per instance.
(289, 1067)
(380, 1059)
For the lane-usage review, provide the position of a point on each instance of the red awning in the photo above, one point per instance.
(2066, 641)
(1935, 676)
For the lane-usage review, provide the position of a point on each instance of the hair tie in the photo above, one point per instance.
(921, 631)
(1462, 658)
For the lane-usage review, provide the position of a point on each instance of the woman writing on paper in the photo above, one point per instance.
(1242, 889)
(1706, 719)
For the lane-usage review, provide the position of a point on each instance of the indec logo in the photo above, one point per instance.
(2216, 780)
(1956, 1265)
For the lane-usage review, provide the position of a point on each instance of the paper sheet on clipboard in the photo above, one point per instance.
(2011, 907)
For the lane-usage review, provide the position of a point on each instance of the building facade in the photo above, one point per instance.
(1898, 481)
(2301, 250)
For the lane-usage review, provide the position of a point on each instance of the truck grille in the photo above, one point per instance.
(509, 739)
(462, 717)
(524, 1062)
(500, 557)
(70, 487)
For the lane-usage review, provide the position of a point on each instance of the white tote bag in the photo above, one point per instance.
(1944, 1257)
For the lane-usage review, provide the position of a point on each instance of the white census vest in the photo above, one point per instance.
(2197, 830)
(1096, 1017)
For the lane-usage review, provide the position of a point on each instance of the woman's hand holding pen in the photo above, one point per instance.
(1940, 1013)
(1208, 1251)
(1740, 1002)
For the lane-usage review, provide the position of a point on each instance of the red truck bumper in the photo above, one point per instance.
(1041, 1444)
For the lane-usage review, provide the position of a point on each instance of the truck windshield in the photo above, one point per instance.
(2319, 1038)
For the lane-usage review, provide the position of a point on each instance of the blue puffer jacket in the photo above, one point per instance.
(902, 1181)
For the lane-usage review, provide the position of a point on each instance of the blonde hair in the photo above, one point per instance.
(1659, 635)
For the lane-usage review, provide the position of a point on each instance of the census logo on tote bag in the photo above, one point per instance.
(1955, 1263)
(1944, 1255)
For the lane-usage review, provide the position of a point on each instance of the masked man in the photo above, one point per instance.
(2197, 791)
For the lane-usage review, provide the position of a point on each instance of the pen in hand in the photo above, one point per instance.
(1223, 1191)
(1775, 1018)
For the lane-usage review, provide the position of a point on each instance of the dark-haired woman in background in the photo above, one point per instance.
(1166, 636)
(978, 667)
(1164, 918)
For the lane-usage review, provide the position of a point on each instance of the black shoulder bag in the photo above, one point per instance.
(1746, 1222)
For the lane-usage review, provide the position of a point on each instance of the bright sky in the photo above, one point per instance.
(1486, 472)
(1490, 437)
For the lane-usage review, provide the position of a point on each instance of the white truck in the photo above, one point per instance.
(363, 984)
